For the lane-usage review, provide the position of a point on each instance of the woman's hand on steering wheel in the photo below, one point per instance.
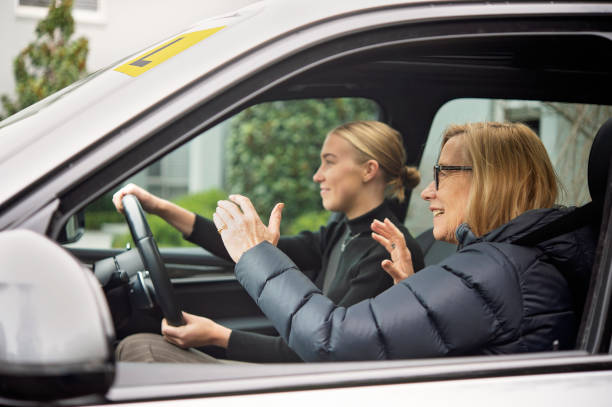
(149, 202)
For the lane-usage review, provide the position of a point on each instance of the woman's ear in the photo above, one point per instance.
(371, 169)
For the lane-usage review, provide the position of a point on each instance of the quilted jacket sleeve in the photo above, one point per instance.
(438, 311)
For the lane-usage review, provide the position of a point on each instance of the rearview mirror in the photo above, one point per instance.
(56, 331)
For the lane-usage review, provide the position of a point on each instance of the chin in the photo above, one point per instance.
(438, 232)
(327, 206)
(443, 236)
(437, 235)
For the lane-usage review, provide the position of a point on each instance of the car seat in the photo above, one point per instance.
(591, 213)
(594, 214)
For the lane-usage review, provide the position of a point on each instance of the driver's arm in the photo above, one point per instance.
(305, 249)
(182, 219)
(204, 233)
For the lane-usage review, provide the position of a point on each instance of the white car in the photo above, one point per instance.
(411, 58)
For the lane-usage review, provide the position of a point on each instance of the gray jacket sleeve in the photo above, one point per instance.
(434, 312)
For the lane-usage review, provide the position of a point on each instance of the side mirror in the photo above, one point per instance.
(73, 230)
(56, 332)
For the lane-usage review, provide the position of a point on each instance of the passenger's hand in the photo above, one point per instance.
(392, 239)
(148, 201)
(197, 331)
(240, 225)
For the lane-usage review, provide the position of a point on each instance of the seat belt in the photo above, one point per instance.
(569, 222)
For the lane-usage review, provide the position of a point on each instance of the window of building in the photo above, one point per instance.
(87, 11)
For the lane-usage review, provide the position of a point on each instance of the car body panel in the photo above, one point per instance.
(507, 373)
(586, 388)
(62, 155)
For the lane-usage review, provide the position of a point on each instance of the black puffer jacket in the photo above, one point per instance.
(358, 275)
(491, 297)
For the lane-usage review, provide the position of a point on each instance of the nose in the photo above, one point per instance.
(318, 177)
(429, 192)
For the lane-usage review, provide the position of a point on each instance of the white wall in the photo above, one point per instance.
(204, 152)
(125, 27)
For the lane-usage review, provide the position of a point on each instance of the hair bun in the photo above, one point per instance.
(410, 176)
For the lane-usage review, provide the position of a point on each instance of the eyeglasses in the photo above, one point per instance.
(438, 168)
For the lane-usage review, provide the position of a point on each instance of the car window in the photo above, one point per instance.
(268, 152)
(567, 131)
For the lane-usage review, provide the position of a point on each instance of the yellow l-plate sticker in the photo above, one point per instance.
(165, 51)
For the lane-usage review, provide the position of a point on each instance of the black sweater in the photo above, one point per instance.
(359, 275)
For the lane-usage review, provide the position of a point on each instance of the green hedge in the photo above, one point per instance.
(95, 219)
(203, 203)
(308, 221)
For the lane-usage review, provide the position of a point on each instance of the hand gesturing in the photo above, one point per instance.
(392, 239)
(241, 228)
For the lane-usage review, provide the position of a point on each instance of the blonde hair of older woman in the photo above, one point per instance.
(511, 172)
(377, 141)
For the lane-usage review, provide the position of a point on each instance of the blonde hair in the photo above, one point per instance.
(511, 173)
(377, 141)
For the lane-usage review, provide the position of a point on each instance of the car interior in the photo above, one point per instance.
(410, 72)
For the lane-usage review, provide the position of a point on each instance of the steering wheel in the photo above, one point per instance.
(149, 253)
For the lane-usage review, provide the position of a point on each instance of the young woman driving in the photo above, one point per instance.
(361, 162)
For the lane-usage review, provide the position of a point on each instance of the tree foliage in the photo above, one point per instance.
(51, 62)
(273, 151)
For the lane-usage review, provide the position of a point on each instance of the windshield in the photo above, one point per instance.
(41, 104)
(223, 20)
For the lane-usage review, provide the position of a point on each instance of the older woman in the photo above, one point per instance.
(493, 183)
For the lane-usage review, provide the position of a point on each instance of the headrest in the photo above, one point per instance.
(599, 162)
